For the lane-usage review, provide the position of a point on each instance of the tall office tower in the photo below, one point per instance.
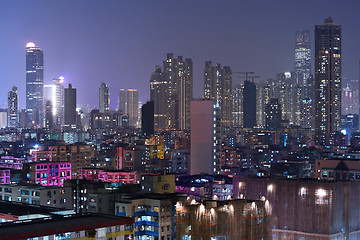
(302, 57)
(34, 83)
(327, 80)
(13, 115)
(237, 105)
(104, 99)
(133, 106)
(347, 101)
(122, 101)
(218, 86)
(249, 104)
(205, 137)
(179, 79)
(48, 92)
(273, 114)
(49, 116)
(3, 118)
(158, 95)
(70, 107)
(58, 101)
(147, 118)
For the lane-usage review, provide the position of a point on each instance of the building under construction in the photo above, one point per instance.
(222, 220)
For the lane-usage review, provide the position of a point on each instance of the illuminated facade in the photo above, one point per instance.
(34, 83)
(327, 80)
(153, 214)
(13, 115)
(58, 101)
(305, 209)
(49, 173)
(158, 94)
(104, 99)
(302, 57)
(237, 105)
(218, 86)
(133, 106)
(122, 101)
(178, 76)
(95, 174)
(220, 220)
(4, 176)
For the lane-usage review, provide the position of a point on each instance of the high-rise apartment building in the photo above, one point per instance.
(249, 104)
(218, 86)
(34, 83)
(273, 114)
(122, 101)
(237, 105)
(178, 75)
(133, 106)
(327, 80)
(205, 137)
(13, 115)
(58, 101)
(70, 107)
(302, 57)
(158, 95)
(104, 99)
(49, 116)
(147, 118)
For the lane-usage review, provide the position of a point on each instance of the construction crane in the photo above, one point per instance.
(247, 75)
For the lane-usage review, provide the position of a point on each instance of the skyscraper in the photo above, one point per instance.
(49, 116)
(70, 107)
(122, 101)
(178, 77)
(147, 118)
(158, 95)
(237, 105)
(327, 80)
(249, 104)
(185, 93)
(205, 137)
(218, 86)
(58, 101)
(302, 57)
(104, 99)
(34, 83)
(13, 118)
(133, 106)
(273, 114)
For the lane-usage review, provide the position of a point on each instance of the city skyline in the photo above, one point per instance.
(242, 45)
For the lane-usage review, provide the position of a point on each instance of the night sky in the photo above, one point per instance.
(120, 42)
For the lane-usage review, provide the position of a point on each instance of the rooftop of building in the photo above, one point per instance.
(201, 179)
(21, 209)
(59, 224)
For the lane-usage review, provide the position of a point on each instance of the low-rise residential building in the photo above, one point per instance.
(48, 173)
(159, 184)
(52, 196)
(103, 175)
(154, 215)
